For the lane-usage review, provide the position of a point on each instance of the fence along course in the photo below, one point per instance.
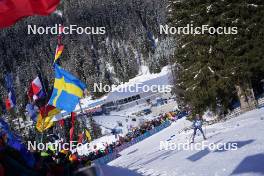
(110, 157)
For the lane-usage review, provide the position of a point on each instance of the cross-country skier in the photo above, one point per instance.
(197, 125)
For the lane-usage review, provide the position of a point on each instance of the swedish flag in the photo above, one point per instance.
(67, 90)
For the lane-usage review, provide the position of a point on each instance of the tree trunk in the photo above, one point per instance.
(246, 97)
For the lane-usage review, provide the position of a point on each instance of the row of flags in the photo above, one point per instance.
(66, 93)
(67, 89)
(47, 112)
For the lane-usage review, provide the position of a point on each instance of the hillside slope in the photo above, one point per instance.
(246, 131)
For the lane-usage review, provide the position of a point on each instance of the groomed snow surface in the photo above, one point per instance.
(146, 158)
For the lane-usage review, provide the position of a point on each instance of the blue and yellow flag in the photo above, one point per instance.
(67, 90)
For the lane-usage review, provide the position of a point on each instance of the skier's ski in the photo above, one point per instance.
(171, 137)
(208, 137)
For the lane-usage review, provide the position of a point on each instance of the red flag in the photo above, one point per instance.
(30, 92)
(13, 10)
(44, 7)
(73, 114)
(61, 122)
(8, 104)
(71, 133)
(80, 138)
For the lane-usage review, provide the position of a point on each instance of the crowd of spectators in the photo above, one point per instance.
(132, 134)
(64, 162)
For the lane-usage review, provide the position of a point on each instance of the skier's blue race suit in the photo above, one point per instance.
(197, 124)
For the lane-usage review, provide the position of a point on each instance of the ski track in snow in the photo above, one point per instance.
(146, 159)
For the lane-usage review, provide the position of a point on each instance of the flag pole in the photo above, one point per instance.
(41, 79)
(81, 107)
(45, 91)
(84, 114)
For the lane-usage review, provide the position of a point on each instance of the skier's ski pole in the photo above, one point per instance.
(190, 138)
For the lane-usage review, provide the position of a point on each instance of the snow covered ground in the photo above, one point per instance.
(146, 158)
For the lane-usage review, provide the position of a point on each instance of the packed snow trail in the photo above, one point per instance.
(146, 158)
